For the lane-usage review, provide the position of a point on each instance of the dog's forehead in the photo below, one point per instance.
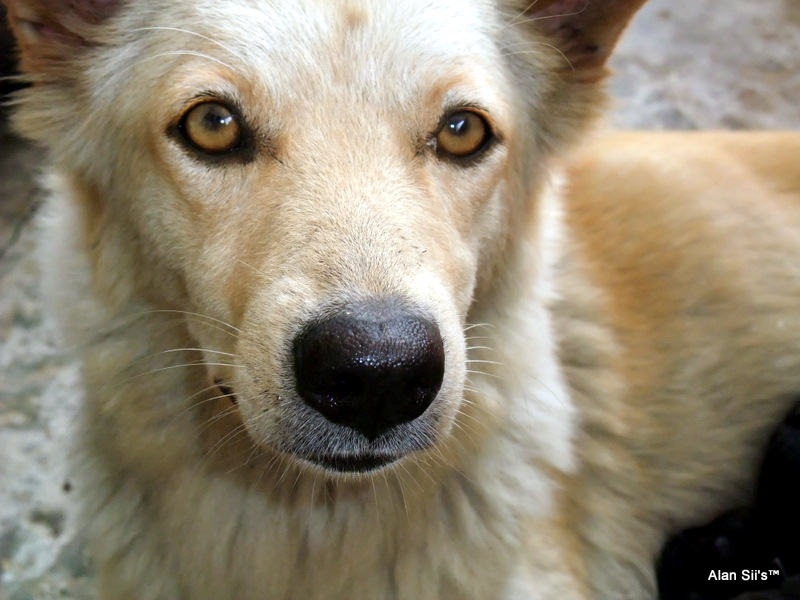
(361, 43)
(447, 25)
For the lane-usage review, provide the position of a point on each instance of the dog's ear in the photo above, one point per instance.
(48, 31)
(584, 31)
(565, 46)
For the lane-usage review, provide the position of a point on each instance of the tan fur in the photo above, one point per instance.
(619, 315)
(699, 300)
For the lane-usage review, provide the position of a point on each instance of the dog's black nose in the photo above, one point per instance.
(370, 367)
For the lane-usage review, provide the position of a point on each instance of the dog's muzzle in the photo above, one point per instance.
(370, 367)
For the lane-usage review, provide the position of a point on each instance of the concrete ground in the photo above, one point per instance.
(684, 64)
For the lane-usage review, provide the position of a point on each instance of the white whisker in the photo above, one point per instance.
(476, 325)
(494, 375)
(470, 348)
(232, 434)
(564, 56)
(522, 12)
(199, 363)
(195, 350)
(190, 314)
(249, 266)
(196, 404)
(545, 17)
(228, 49)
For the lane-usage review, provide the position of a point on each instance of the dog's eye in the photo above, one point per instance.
(211, 127)
(463, 134)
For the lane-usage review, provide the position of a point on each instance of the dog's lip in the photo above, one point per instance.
(353, 464)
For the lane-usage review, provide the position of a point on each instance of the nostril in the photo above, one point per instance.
(346, 385)
(371, 367)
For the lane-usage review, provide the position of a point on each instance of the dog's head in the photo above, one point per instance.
(332, 185)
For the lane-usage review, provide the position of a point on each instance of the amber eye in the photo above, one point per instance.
(211, 127)
(464, 133)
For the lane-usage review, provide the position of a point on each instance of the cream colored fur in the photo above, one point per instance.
(620, 316)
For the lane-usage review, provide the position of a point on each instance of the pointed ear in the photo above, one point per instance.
(584, 31)
(568, 43)
(48, 31)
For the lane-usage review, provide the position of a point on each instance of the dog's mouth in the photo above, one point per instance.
(360, 464)
(362, 461)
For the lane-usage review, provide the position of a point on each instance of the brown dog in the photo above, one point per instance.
(363, 314)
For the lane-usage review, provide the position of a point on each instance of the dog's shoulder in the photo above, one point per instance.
(657, 216)
(690, 246)
(671, 172)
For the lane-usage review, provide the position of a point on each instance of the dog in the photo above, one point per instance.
(368, 308)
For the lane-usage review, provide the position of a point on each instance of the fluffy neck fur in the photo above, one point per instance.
(196, 464)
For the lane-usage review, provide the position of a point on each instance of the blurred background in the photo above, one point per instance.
(684, 64)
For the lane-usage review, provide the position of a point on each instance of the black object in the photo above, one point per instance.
(778, 492)
(8, 62)
(745, 554)
(370, 367)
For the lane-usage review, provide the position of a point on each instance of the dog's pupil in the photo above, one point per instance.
(217, 119)
(459, 126)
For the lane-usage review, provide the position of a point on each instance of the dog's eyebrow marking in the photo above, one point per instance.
(355, 16)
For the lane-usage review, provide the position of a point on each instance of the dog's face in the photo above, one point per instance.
(329, 184)
(347, 186)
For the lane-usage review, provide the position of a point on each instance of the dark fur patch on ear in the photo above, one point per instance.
(35, 21)
(88, 11)
(586, 31)
(50, 31)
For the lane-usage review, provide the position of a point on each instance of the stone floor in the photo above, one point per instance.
(684, 64)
